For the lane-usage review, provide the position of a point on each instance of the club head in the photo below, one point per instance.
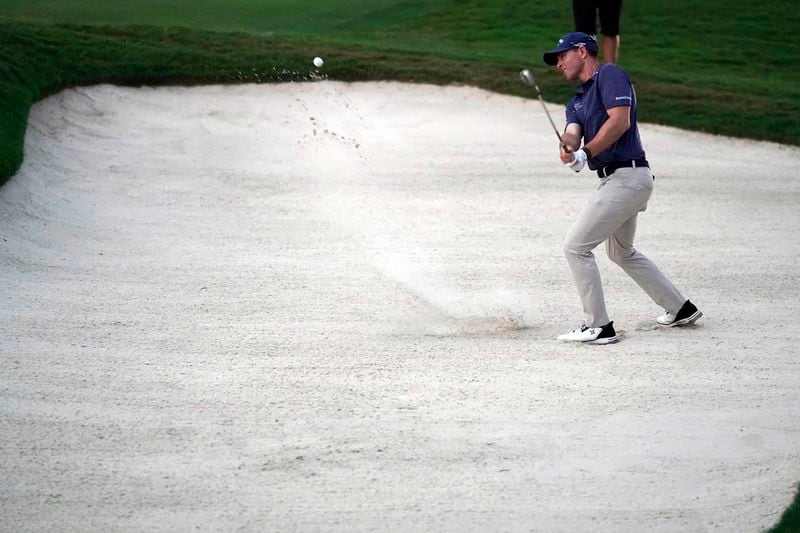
(527, 78)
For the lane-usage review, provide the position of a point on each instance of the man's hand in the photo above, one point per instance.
(575, 160)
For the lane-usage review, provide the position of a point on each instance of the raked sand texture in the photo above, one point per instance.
(333, 307)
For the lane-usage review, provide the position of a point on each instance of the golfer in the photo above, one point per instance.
(603, 114)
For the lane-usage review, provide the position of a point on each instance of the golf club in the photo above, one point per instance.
(527, 78)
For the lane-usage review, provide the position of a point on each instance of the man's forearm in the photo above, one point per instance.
(618, 123)
(572, 141)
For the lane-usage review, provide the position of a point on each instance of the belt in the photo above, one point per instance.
(610, 168)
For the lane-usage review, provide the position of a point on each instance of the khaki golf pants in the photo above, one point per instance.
(610, 215)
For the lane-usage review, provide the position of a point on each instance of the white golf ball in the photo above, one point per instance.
(318, 62)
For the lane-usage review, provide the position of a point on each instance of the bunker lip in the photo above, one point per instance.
(332, 305)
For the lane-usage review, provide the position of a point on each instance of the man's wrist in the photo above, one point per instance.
(587, 152)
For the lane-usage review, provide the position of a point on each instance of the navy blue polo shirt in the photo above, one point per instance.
(608, 87)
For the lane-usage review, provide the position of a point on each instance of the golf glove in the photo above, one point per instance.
(579, 162)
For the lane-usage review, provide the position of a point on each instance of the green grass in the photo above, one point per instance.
(38, 60)
(790, 521)
(696, 65)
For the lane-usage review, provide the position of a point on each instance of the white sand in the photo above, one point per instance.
(332, 307)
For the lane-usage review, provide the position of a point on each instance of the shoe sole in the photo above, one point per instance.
(607, 340)
(686, 321)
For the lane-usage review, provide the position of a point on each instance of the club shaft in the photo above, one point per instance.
(527, 77)
(546, 112)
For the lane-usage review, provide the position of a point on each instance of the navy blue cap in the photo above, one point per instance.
(568, 42)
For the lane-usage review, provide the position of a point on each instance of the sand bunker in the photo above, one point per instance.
(332, 306)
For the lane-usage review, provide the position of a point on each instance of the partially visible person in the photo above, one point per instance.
(604, 115)
(586, 13)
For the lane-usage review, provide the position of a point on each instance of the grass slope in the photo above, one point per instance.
(38, 60)
(790, 521)
(691, 71)
(693, 64)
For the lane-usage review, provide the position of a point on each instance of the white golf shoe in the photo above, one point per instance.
(688, 314)
(587, 335)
